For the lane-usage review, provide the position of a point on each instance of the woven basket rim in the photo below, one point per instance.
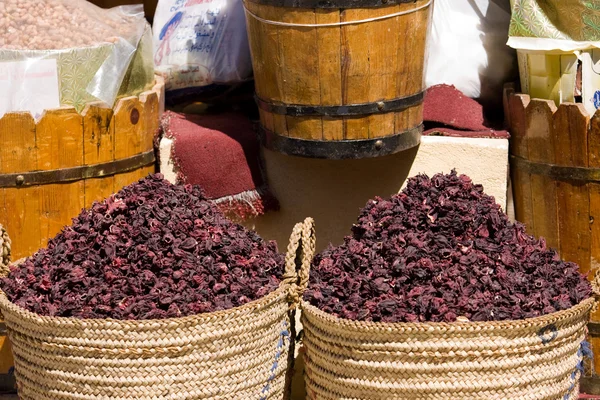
(543, 320)
(251, 307)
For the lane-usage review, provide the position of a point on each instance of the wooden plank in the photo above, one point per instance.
(265, 78)
(419, 26)
(129, 136)
(274, 56)
(150, 106)
(300, 71)
(60, 145)
(571, 149)
(509, 90)
(402, 53)
(383, 64)
(412, 34)
(263, 59)
(330, 70)
(20, 209)
(98, 147)
(594, 190)
(521, 180)
(355, 69)
(540, 148)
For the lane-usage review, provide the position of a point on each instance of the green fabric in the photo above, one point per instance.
(140, 75)
(577, 20)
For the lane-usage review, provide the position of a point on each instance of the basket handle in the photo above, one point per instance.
(5, 252)
(301, 250)
(595, 283)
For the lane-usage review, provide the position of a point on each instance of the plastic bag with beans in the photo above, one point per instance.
(71, 52)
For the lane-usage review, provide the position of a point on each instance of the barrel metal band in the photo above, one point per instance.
(302, 110)
(557, 172)
(342, 149)
(110, 168)
(331, 3)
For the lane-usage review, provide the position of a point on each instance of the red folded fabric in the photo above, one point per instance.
(221, 154)
(447, 111)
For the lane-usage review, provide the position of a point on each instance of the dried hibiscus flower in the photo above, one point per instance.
(151, 251)
(439, 250)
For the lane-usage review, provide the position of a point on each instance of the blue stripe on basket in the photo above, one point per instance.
(584, 352)
(285, 333)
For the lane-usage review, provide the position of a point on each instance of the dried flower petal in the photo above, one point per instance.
(438, 250)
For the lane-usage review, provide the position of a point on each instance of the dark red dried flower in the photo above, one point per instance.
(439, 250)
(153, 250)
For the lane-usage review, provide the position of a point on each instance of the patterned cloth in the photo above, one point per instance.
(564, 20)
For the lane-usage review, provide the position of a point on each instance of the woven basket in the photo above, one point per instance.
(539, 358)
(4, 250)
(242, 353)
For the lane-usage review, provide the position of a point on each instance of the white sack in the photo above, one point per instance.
(201, 42)
(467, 47)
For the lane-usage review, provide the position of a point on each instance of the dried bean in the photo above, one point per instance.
(85, 23)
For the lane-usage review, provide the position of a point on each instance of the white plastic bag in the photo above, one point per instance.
(69, 53)
(201, 42)
(467, 47)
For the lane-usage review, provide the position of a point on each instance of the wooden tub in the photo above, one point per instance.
(51, 169)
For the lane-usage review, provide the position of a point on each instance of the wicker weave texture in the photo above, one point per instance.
(242, 353)
(537, 358)
(4, 250)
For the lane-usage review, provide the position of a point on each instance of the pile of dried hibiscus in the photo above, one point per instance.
(153, 250)
(439, 250)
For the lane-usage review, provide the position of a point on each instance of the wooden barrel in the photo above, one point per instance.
(339, 78)
(555, 165)
(51, 169)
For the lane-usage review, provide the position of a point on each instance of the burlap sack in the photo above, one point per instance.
(242, 353)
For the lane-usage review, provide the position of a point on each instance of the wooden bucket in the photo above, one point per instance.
(555, 164)
(339, 79)
(51, 169)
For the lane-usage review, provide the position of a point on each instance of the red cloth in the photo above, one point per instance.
(221, 154)
(449, 112)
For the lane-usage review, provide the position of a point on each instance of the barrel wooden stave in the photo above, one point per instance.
(99, 147)
(340, 65)
(64, 139)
